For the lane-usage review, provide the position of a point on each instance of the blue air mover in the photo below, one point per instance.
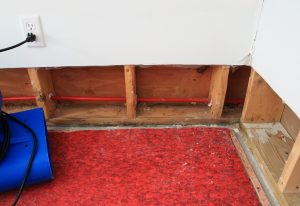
(27, 133)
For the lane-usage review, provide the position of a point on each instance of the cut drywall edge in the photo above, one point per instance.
(132, 32)
(252, 50)
(277, 48)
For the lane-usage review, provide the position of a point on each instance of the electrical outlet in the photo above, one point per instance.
(33, 25)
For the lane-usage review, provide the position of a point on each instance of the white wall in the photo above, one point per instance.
(116, 32)
(277, 49)
(112, 32)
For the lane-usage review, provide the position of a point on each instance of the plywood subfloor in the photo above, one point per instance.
(158, 114)
(271, 145)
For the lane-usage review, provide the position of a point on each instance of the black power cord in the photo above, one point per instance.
(6, 132)
(4, 117)
(30, 38)
(6, 136)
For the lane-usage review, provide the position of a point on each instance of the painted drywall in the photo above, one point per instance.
(116, 32)
(277, 49)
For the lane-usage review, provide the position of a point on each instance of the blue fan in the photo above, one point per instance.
(15, 162)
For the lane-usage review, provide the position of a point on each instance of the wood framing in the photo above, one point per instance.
(262, 104)
(218, 88)
(93, 81)
(270, 145)
(156, 81)
(289, 181)
(169, 82)
(130, 84)
(43, 88)
(238, 82)
(15, 82)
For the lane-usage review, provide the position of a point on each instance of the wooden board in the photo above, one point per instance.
(271, 144)
(89, 81)
(13, 108)
(170, 82)
(289, 181)
(152, 81)
(16, 82)
(251, 174)
(218, 88)
(290, 121)
(88, 115)
(130, 84)
(262, 104)
(238, 82)
(42, 86)
(158, 114)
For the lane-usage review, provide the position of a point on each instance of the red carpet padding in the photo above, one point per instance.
(185, 166)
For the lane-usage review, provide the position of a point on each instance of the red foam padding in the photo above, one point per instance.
(186, 166)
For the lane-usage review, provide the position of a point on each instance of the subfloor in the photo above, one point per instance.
(270, 144)
(174, 166)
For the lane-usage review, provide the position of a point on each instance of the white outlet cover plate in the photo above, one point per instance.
(32, 24)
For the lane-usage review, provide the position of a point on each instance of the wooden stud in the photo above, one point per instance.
(218, 88)
(289, 181)
(130, 84)
(43, 88)
(262, 104)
